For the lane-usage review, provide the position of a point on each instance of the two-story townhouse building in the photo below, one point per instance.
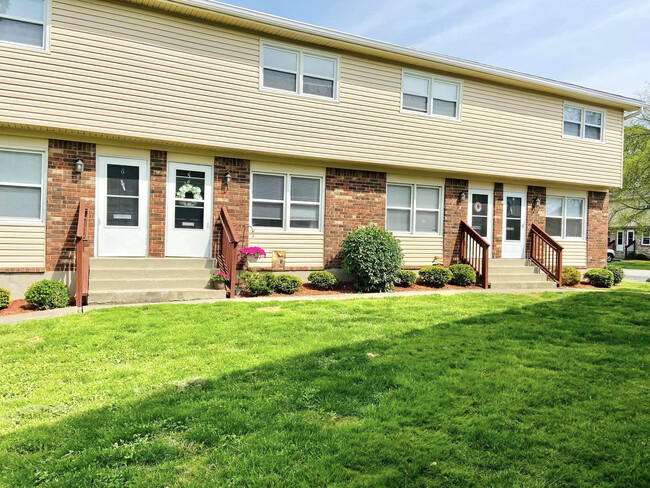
(158, 113)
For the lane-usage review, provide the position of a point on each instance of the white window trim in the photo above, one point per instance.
(47, 23)
(584, 109)
(42, 186)
(301, 52)
(413, 209)
(432, 78)
(286, 222)
(563, 237)
(643, 238)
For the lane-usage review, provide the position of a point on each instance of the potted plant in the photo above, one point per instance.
(219, 280)
(252, 254)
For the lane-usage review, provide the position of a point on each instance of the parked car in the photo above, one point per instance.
(611, 254)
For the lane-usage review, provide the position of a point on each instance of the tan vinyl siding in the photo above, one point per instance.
(135, 73)
(419, 250)
(303, 250)
(22, 246)
(574, 253)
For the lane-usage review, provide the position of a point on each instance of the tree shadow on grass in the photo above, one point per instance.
(532, 396)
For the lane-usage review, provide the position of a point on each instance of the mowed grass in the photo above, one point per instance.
(466, 390)
(632, 264)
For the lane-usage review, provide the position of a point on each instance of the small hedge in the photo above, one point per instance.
(619, 274)
(631, 255)
(406, 277)
(46, 294)
(5, 298)
(570, 276)
(641, 257)
(323, 280)
(258, 284)
(601, 278)
(436, 276)
(288, 284)
(462, 274)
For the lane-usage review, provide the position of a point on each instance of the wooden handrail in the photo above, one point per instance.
(475, 251)
(546, 254)
(627, 247)
(229, 243)
(82, 258)
(612, 244)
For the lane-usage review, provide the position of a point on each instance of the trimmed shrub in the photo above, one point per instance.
(570, 276)
(619, 274)
(46, 294)
(406, 277)
(5, 298)
(436, 276)
(288, 284)
(641, 256)
(462, 274)
(323, 280)
(257, 284)
(601, 278)
(631, 255)
(372, 256)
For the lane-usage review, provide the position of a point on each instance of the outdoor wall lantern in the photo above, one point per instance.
(463, 196)
(536, 202)
(227, 178)
(79, 166)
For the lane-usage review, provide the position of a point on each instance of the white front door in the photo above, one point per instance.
(514, 225)
(619, 241)
(189, 210)
(122, 207)
(480, 213)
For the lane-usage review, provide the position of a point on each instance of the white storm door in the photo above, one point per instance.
(189, 210)
(630, 237)
(619, 241)
(122, 207)
(514, 225)
(480, 213)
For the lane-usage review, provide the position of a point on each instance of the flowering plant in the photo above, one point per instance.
(220, 276)
(256, 252)
(189, 188)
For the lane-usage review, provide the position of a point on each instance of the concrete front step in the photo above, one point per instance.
(509, 263)
(515, 270)
(498, 278)
(522, 285)
(153, 284)
(154, 273)
(153, 296)
(149, 263)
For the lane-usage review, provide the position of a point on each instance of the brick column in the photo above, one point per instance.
(352, 199)
(535, 214)
(497, 226)
(64, 190)
(597, 223)
(157, 211)
(235, 197)
(455, 211)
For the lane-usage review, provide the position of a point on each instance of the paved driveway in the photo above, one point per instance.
(637, 274)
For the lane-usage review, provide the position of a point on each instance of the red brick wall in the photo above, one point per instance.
(497, 226)
(235, 197)
(353, 199)
(157, 208)
(535, 215)
(455, 211)
(64, 189)
(597, 223)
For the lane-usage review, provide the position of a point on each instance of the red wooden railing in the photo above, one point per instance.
(474, 250)
(228, 257)
(631, 244)
(546, 254)
(82, 257)
(612, 244)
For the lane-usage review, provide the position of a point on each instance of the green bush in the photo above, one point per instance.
(372, 257)
(323, 280)
(436, 276)
(602, 278)
(5, 298)
(619, 274)
(641, 256)
(406, 277)
(570, 276)
(462, 274)
(631, 255)
(257, 284)
(288, 284)
(46, 294)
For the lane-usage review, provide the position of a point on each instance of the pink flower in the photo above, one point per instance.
(256, 252)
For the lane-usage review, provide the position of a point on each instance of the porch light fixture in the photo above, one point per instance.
(463, 196)
(79, 166)
(227, 178)
(536, 202)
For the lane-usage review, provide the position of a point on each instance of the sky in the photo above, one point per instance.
(601, 44)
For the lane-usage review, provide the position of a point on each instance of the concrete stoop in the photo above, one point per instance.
(517, 274)
(150, 280)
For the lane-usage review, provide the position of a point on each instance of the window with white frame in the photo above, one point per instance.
(21, 185)
(583, 123)
(413, 209)
(431, 95)
(299, 71)
(645, 240)
(286, 202)
(565, 217)
(23, 22)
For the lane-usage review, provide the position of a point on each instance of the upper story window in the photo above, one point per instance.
(286, 202)
(21, 185)
(583, 123)
(23, 22)
(413, 209)
(565, 217)
(299, 71)
(431, 95)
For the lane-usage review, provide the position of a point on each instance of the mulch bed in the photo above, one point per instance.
(307, 289)
(16, 307)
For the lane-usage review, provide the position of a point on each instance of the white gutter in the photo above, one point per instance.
(303, 27)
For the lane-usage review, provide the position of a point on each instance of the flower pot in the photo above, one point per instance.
(252, 259)
(219, 285)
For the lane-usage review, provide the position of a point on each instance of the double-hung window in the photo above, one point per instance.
(645, 240)
(299, 71)
(21, 185)
(431, 95)
(565, 217)
(583, 123)
(413, 209)
(23, 22)
(286, 202)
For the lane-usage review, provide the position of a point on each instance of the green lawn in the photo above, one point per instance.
(465, 390)
(632, 264)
